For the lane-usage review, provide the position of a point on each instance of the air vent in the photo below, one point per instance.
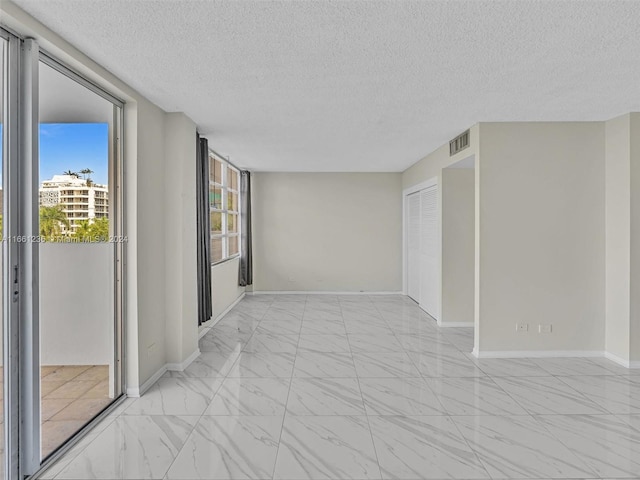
(459, 143)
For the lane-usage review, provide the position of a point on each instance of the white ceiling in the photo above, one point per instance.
(359, 85)
(64, 101)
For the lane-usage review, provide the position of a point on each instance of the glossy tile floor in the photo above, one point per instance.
(357, 387)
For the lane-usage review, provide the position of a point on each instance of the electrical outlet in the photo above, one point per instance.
(522, 327)
(544, 328)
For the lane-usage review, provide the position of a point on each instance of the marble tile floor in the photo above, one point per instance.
(295, 387)
(71, 396)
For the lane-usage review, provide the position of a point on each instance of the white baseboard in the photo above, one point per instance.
(228, 309)
(621, 361)
(319, 292)
(138, 391)
(206, 326)
(179, 367)
(537, 353)
(456, 324)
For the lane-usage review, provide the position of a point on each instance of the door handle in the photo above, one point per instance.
(16, 284)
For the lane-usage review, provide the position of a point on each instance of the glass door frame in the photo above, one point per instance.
(10, 252)
(22, 401)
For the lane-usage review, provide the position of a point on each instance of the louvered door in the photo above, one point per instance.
(429, 277)
(413, 246)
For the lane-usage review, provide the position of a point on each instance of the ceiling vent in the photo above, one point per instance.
(459, 143)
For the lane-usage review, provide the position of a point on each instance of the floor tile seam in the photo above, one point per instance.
(105, 423)
(424, 381)
(193, 428)
(426, 378)
(562, 379)
(490, 377)
(565, 445)
(578, 394)
(76, 455)
(621, 417)
(253, 331)
(364, 408)
(286, 404)
(476, 454)
(346, 336)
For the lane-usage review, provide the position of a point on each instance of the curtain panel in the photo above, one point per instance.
(205, 306)
(245, 276)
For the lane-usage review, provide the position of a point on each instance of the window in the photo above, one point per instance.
(224, 204)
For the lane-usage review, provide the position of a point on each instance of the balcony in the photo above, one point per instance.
(77, 345)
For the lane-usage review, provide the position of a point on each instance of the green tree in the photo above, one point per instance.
(52, 221)
(92, 231)
(71, 173)
(87, 173)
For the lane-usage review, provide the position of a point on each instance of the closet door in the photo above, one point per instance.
(429, 277)
(413, 246)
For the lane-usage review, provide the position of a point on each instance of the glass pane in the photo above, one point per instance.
(233, 245)
(232, 223)
(216, 249)
(233, 179)
(216, 222)
(215, 198)
(77, 297)
(232, 201)
(212, 169)
(215, 170)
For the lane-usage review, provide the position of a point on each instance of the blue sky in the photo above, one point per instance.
(73, 146)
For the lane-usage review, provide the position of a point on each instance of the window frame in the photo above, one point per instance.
(224, 211)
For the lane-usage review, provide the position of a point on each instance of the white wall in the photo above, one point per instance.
(618, 236)
(327, 232)
(76, 304)
(622, 234)
(224, 285)
(148, 247)
(458, 245)
(179, 197)
(541, 224)
(635, 238)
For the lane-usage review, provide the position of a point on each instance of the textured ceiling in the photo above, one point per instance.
(359, 85)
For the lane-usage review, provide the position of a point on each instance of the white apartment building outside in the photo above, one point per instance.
(81, 199)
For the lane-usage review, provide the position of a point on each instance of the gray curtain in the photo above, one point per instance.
(205, 307)
(246, 257)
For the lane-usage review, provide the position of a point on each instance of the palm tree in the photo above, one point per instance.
(71, 173)
(52, 219)
(87, 173)
(87, 176)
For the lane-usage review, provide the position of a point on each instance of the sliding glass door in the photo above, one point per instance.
(3, 55)
(77, 257)
(62, 256)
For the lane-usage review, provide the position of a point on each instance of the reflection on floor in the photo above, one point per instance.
(71, 396)
(295, 387)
